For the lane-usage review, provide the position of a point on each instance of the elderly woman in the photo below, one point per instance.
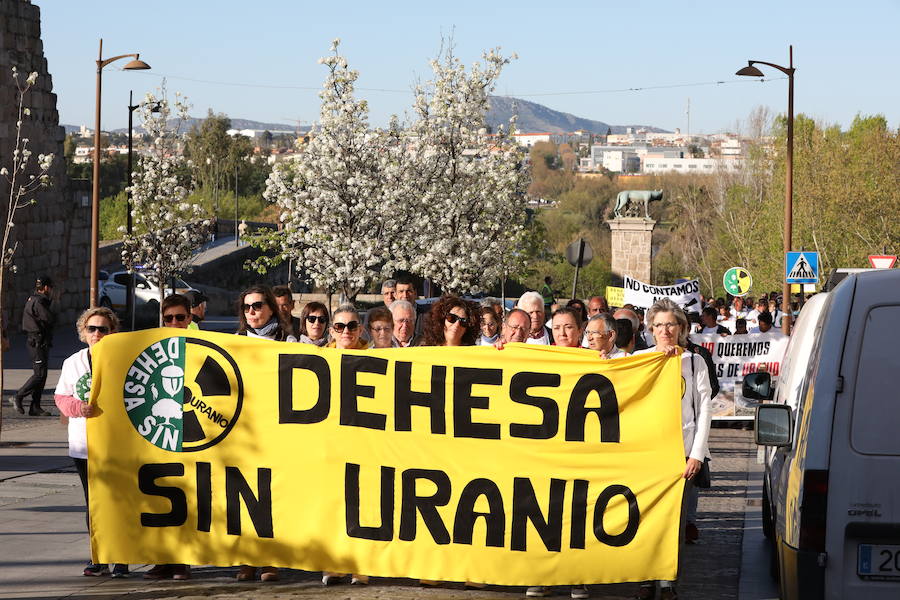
(260, 317)
(453, 322)
(669, 326)
(381, 327)
(72, 397)
(490, 327)
(314, 324)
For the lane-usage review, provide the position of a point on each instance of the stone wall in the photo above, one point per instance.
(631, 247)
(53, 234)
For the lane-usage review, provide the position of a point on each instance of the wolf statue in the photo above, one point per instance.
(629, 203)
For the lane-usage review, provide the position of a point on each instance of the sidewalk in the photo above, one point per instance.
(46, 545)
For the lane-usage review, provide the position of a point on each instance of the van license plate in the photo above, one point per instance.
(878, 562)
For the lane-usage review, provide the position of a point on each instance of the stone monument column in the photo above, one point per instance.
(631, 238)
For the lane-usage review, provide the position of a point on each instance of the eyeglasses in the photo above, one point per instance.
(403, 321)
(593, 334)
(351, 326)
(452, 318)
(97, 329)
(180, 317)
(314, 318)
(257, 306)
(665, 325)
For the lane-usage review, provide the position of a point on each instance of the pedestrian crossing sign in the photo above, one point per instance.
(801, 267)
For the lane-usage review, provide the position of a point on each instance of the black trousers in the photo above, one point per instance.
(39, 351)
(81, 467)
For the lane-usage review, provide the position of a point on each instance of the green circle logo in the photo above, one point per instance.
(737, 281)
(83, 387)
(183, 394)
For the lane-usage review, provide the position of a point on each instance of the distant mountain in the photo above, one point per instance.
(192, 121)
(537, 118)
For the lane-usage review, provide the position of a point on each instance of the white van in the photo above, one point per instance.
(832, 480)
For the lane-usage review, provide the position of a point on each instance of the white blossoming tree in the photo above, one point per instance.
(470, 183)
(24, 177)
(339, 200)
(167, 229)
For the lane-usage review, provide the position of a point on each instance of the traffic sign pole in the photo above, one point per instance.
(578, 266)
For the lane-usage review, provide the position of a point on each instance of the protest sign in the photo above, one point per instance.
(526, 466)
(615, 296)
(736, 356)
(643, 295)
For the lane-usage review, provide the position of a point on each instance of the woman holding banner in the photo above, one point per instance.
(669, 326)
(72, 397)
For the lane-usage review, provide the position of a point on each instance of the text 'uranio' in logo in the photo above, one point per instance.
(183, 394)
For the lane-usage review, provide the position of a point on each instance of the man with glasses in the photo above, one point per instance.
(176, 311)
(601, 335)
(516, 326)
(285, 301)
(404, 314)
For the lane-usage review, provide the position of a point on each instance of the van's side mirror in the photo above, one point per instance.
(757, 386)
(773, 425)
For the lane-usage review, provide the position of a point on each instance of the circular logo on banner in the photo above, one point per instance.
(737, 281)
(183, 394)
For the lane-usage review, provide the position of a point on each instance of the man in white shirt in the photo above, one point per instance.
(533, 304)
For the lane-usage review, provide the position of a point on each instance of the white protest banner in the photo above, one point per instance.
(736, 356)
(643, 295)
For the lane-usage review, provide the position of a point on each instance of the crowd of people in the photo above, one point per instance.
(403, 322)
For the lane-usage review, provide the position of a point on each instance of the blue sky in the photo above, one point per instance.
(845, 54)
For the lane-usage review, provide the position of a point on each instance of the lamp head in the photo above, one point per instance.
(750, 71)
(136, 65)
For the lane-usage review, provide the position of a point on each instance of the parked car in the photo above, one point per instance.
(113, 291)
(832, 477)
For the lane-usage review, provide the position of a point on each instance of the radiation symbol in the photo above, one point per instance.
(213, 394)
(183, 394)
(737, 281)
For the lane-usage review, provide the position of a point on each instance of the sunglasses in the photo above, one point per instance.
(452, 318)
(180, 317)
(314, 318)
(351, 326)
(257, 306)
(97, 328)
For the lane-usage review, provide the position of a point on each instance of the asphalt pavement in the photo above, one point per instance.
(45, 544)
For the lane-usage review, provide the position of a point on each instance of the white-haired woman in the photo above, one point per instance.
(670, 328)
(73, 398)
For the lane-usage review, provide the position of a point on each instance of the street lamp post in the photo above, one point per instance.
(129, 295)
(751, 71)
(133, 65)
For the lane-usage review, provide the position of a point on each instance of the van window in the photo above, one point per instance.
(876, 405)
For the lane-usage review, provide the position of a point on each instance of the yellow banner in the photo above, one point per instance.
(525, 466)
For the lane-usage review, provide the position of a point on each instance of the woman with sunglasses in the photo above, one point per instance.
(345, 335)
(259, 315)
(453, 322)
(314, 324)
(73, 396)
(346, 329)
(176, 311)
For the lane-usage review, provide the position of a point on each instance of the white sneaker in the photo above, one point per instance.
(537, 591)
(580, 592)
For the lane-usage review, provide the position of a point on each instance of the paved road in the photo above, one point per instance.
(45, 544)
